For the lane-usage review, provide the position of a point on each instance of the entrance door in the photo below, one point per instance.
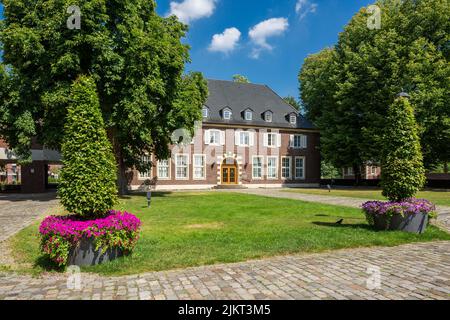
(229, 174)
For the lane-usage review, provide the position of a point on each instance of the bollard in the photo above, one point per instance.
(149, 198)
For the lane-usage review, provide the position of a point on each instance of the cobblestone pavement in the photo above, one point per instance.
(443, 219)
(18, 211)
(413, 271)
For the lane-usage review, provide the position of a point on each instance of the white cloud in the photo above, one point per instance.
(190, 10)
(264, 30)
(304, 7)
(225, 42)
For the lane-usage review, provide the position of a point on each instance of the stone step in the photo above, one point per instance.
(230, 186)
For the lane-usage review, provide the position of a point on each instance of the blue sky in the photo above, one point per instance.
(265, 40)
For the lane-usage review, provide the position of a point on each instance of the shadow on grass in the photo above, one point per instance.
(157, 194)
(46, 264)
(336, 225)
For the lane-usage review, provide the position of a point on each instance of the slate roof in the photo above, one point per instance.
(259, 98)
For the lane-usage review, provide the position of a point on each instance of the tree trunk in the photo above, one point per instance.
(122, 181)
(357, 172)
(445, 167)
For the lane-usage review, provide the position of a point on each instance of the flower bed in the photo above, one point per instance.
(61, 233)
(382, 214)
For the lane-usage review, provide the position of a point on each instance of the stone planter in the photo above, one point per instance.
(84, 254)
(414, 223)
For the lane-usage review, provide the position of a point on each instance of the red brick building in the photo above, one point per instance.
(249, 136)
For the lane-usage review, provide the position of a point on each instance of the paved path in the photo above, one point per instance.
(443, 219)
(19, 211)
(413, 271)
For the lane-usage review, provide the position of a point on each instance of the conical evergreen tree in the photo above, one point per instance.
(88, 178)
(402, 170)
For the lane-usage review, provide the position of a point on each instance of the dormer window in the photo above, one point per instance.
(205, 112)
(248, 115)
(268, 116)
(293, 119)
(227, 114)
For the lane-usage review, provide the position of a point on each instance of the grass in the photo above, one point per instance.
(192, 229)
(437, 197)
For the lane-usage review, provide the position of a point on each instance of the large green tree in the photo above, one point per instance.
(135, 57)
(346, 90)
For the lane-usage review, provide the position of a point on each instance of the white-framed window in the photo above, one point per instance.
(299, 141)
(271, 139)
(244, 138)
(374, 170)
(293, 119)
(299, 167)
(199, 166)
(350, 171)
(146, 174)
(272, 167)
(286, 164)
(227, 114)
(181, 166)
(164, 169)
(248, 115)
(257, 167)
(268, 116)
(205, 112)
(214, 137)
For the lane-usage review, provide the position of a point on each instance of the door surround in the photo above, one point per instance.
(229, 160)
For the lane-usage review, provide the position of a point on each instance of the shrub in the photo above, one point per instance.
(402, 170)
(404, 208)
(60, 233)
(88, 179)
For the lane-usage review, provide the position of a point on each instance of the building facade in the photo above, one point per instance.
(249, 137)
(368, 172)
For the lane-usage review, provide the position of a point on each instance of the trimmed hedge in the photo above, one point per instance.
(88, 179)
(402, 170)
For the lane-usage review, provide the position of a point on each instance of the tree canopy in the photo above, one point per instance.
(135, 57)
(240, 78)
(346, 90)
(293, 102)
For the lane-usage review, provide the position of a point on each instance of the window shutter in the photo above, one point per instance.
(304, 142)
(207, 137)
(278, 140)
(236, 138)
(291, 140)
(251, 139)
(222, 138)
(265, 139)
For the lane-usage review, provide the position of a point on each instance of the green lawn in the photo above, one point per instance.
(192, 229)
(437, 197)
